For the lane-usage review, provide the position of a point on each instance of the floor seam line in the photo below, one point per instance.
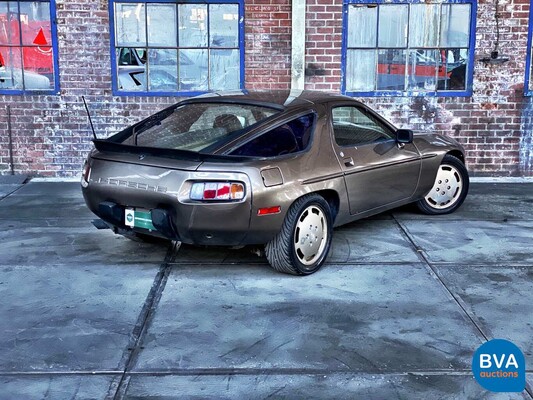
(143, 322)
(434, 272)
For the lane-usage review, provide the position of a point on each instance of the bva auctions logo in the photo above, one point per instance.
(499, 366)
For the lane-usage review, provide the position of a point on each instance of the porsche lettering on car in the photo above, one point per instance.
(279, 169)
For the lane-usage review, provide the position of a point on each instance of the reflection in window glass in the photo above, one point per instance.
(424, 25)
(162, 15)
(421, 70)
(130, 24)
(225, 69)
(10, 77)
(223, 25)
(162, 73)
(193, 25)
(36, 23)
(9, 24)
(452, 69)
(391, 69)
(26, 52)
(190, 47)
(193, 69)
(393, 25)
(412, 48)
(365, 19)
(361, 69)
(455, 25)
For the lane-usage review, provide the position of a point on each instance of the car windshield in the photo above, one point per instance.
(197, 126)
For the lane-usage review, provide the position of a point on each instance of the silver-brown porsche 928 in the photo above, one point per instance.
(273, 168)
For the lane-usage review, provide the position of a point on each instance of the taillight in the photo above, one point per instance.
(217, 191)
(85, 174)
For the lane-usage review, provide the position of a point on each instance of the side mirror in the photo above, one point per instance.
(404, 136)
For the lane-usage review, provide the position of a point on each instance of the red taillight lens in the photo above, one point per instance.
(217, 191)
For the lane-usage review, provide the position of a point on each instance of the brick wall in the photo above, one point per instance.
(52, 135)
(268, 44)
(495, 124)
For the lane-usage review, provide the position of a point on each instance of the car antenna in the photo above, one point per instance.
(89, 115)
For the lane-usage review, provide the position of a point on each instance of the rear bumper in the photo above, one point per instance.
(161, 219)
(201, 224)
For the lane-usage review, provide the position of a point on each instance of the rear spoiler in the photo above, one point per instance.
(107, 146)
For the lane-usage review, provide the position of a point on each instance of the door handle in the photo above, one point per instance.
(348, 161)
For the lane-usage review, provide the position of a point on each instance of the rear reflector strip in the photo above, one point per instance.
(269, 210)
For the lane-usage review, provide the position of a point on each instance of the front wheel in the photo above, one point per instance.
(303, 243)
(449, 190)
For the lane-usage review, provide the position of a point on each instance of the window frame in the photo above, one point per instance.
(529, 53)
(467, 92)
(55, 56)
(114, 67)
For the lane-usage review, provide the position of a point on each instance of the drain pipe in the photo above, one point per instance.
(9, 132)
(298, 45)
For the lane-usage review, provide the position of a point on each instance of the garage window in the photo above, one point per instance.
(168, 48)
(28, 47)
(408, 49)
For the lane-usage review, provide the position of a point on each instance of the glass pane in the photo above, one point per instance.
(352, 126)
(423, 25)
(162, 25)
(455, 25)
(163, 69)
(38, 67)
(10, 68)
(362, 26)
(422, 70)
(9, 23)
(224, 25)
(452, 69)
(193, 25)
(393, 25)
(193, 69)
(391, 69)
(131, 69)
(130, 24)
(360, 70)
(225, 70)
(35, 23)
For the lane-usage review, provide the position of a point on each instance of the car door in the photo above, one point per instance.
(377, 170)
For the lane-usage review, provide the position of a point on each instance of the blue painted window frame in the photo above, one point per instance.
(53, 28)
(118, 92)
(527, 90)
(411, 93)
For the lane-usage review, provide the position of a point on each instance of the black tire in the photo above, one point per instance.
(451, 167)
(284, 254)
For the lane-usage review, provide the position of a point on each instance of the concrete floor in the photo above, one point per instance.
(396, 313)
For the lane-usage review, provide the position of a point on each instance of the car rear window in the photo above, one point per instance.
(197, 126)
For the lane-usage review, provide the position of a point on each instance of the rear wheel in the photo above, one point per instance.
(303, 243)
(449, 190)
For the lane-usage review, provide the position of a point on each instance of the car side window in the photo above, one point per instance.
(291, 137)
(352, 126)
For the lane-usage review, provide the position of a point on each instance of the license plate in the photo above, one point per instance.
(138, 219)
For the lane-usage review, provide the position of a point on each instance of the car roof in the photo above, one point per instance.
(280, 99)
